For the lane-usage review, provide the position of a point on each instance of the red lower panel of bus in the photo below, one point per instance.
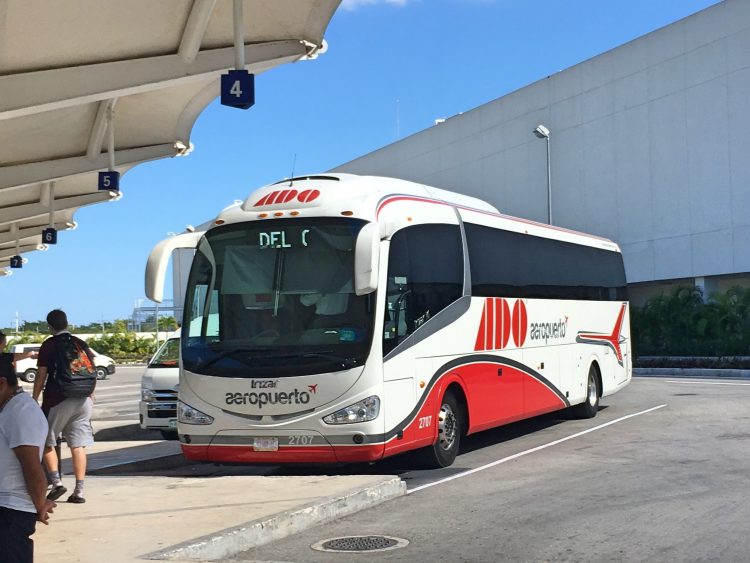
(498, 394)
(302, 454)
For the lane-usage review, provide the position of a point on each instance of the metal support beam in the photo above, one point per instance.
(96, 138)
(111, 137)
(34, 92)
(35, 172)
(30, 211)
(195, 29)
(238, 24)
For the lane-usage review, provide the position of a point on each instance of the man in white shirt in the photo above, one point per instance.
(23, 485)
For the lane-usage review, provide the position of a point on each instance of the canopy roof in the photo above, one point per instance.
(155, 64)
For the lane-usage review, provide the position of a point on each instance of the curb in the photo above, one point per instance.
(693, 372)
(241, 538)
(140, 465)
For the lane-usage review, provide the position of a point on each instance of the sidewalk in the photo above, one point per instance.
(157, 516)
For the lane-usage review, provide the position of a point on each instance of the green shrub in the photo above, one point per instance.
(124, 346)
(681, 324)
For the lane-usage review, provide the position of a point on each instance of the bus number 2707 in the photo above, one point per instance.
(300, 440)
(425, 421)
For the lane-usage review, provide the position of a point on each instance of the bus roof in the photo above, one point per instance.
(366, 197)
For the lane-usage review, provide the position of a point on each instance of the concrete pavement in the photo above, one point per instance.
(140, 516)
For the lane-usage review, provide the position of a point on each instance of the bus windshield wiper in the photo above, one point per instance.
(325, 355)
(221, 354)
(329, 355)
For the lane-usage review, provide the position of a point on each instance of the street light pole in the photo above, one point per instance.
(543, 133)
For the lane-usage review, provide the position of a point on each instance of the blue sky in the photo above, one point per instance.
(392, 68)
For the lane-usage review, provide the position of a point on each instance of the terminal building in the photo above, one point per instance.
(648, 146)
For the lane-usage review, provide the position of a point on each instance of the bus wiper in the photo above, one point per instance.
(327, 355)
(221, 354)
(346, 362)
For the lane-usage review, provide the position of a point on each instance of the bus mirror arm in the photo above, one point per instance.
(156, 266)
(366, 259)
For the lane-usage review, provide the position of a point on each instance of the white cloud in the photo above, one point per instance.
(354, 4)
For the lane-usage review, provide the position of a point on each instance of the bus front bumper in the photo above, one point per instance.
(236, 449)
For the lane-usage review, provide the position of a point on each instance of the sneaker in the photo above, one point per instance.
(56, 492)
(76, 499)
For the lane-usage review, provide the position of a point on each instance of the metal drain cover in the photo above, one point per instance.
(352, 544)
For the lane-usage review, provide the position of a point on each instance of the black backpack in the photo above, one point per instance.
(75, 373)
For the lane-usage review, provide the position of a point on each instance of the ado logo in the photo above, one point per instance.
(285, 196)
(499, 323)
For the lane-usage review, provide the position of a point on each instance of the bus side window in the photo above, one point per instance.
(425, 275)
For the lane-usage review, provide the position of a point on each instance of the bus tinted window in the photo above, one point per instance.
(425, 275)
(509, 264)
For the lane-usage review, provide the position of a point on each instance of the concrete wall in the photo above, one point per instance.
(650, 147)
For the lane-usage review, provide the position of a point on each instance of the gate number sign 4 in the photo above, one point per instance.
(238, 89)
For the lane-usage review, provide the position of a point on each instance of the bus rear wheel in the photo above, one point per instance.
(590, 406)
(450, 428)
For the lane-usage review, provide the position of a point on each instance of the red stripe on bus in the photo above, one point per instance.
(244, 453)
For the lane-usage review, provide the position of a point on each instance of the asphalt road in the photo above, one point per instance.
(640, 482)
(117, 397)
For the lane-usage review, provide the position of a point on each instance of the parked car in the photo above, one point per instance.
(158, 406)
(27, 368)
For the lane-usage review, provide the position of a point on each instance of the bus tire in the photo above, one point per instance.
(450, 428)
(590, 406)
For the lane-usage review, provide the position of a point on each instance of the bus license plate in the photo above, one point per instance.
(266, 444)
(172, 424)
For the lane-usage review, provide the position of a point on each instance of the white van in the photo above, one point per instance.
(27, 368)
(158, 406)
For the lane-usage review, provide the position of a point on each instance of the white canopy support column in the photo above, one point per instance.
(111, 137)
(195, 29)
(96, 139)
(238, 21)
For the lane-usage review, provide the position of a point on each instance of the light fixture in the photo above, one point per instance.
(543, 133)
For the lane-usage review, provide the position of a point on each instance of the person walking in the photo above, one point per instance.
(65, 370)
(23, 486)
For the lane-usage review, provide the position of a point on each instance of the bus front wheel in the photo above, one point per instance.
(450, 423)
(590, 406)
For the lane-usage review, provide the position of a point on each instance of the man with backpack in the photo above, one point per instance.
(67, 374)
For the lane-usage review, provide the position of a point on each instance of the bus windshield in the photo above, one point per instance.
(276, 298)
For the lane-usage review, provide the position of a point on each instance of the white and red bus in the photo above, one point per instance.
(341, 318)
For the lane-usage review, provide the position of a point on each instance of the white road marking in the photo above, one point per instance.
(707, 382)
(123, 395)
(108, 387)
(106, 404)
(532, 450)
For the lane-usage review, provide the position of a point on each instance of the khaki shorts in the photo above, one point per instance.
(72, 419)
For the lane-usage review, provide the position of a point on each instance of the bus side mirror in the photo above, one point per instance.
(156, 267)
(366, 259)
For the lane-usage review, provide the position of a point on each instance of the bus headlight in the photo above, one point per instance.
(147, 395)
(188, 415)
(366, 409)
